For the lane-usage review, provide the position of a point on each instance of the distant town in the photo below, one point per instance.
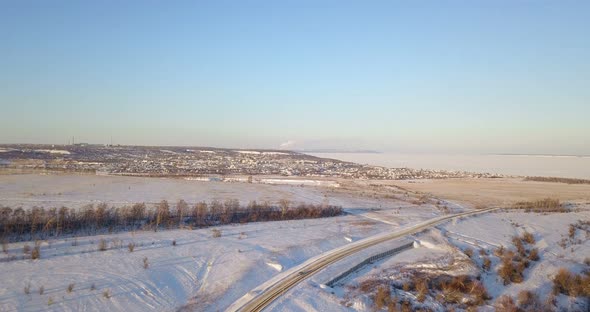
(199, 162)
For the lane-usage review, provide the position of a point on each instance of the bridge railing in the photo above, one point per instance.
(369, 260)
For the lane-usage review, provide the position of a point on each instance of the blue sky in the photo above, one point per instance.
(447, 76)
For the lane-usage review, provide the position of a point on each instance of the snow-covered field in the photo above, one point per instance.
(205, 272)
(199, 272)
(441, 251)
(190, 270)
(28, 190)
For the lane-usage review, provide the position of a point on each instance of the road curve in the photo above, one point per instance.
(264, 299)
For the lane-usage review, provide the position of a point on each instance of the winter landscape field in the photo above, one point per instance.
(216, 268)
(297, 156)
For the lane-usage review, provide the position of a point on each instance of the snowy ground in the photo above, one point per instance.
(200, 272)
(442, 252)
(28, 190)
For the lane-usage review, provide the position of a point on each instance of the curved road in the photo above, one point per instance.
(264, 299)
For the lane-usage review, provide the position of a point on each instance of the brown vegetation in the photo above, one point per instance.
(461, 291)
(102, 245)
(505, 304)
(528, 301)
(542, 205)
(570, 284)
(513, 265)
(36, 252)
(486, 264)
(382, 297)
(39, 223)
(528, 238)
(557, 180)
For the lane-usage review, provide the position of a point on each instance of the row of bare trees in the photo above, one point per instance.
(39, 223)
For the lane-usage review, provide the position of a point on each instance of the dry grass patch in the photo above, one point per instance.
(505, 304)
(513, 264)
(102, 245)
(570, 284)
(557, 180)
(542, 205)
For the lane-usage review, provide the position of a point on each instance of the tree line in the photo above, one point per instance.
(40, 223)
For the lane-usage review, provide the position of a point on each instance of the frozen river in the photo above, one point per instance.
(531, 165)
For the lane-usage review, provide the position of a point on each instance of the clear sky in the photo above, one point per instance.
(448, 76)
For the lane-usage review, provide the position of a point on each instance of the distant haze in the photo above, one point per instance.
(521, 165)
(425, 76)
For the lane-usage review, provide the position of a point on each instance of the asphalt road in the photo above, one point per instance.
(265, 298)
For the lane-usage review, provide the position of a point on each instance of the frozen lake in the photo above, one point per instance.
(526, 165)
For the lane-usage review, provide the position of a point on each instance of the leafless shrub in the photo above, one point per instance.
(4, 245)
(534, 254)
(75, 242)
(528, 238)
(519, 246)
(36, 253)
(478, 292)
(499, 252)
(107, 294)
(71, 287)
(27, 288)
(486, 264)
(49, 301)
(587, 261)
(528, 301)
(146, 264)
(392, 305)
(131, 246)
(406, 287)
(462, 290)
(93, 286)
(406, 306)
(382, 297)
(216, 233)
(505, 304)
(557, 180)
(509, 272)
(174, 243)
(92, 219)
(570, 284)
(102, 245)
(469, 252)
(543, 205)
(421, 289)
(41, 290)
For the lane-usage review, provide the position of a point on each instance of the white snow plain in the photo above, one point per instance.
(199, 272)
